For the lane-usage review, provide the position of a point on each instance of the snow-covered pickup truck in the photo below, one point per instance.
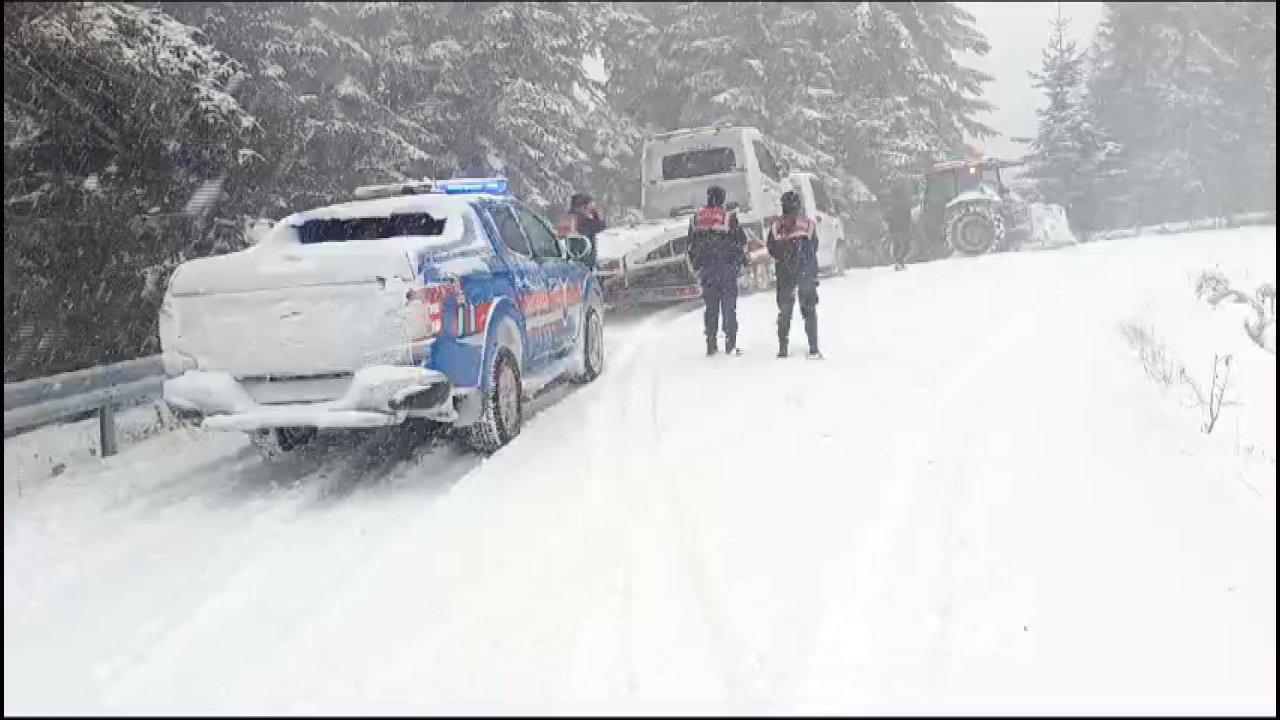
(449, 301)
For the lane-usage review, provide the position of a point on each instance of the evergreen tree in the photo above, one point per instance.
(114, 115)
(1069, 156)
(1188, 90)
(871, 89)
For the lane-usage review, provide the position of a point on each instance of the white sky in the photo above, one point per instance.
(1018, 32)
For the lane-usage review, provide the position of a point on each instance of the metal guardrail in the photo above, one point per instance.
(33, 403)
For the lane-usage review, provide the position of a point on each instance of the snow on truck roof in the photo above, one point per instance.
(440, 198)
(439, 205)
(710, 129)
(447, 229)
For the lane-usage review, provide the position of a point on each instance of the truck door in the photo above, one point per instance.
(830, 228)
(771, 181)
(529, 284)
(564, 280)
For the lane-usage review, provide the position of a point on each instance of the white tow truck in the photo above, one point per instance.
(648, 261)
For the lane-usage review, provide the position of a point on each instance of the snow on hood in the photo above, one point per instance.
(448, 207)
(616, 242)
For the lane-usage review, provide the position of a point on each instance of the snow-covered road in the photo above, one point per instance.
(977, 502)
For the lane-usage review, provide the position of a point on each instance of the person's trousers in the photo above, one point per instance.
(807, 290)
(720, 292)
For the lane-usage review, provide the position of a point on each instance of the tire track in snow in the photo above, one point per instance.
(665, 517)
(850, 639)
(951, 505)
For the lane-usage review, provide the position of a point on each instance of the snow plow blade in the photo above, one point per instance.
(1048, 227)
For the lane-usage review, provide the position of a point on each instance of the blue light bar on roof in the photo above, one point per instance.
(465, 186)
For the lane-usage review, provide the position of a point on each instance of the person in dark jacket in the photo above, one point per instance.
(898, 218)
(584, 218)
(793, 243)
(718, 252)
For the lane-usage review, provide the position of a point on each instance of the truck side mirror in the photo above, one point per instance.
(576, 247)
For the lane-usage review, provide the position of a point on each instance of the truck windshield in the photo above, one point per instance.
(697, 163)
(370, 228)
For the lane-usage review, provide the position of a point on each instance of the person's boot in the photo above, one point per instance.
(782, 347)
(711, 345)
(811, 333)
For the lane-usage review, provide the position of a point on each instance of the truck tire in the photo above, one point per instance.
(592, 348)
(974, 229)
(502, 412)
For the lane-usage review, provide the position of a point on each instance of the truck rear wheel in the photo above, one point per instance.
(974, 229)
(592, 348)
(503, 406)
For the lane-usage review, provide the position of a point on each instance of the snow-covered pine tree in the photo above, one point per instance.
(1069, 156)
(114, 115)
(1188, 90)
(873, 89)
(324, 81)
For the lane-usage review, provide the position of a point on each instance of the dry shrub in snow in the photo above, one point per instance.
(1214, 287)
(1163, 366)
(1210, 401)
(1158, 359)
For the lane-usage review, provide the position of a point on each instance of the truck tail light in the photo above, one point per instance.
(426, 307)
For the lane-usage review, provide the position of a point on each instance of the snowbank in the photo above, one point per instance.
(1198, 337)
(35, 458)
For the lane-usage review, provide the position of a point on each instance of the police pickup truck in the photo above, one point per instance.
(447, 300)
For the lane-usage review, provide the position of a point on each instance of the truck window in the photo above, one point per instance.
(821, 200)
(509, 230)
(329, 230)
(970, 179)
(767, 164)
(540, 235)
(697, 163)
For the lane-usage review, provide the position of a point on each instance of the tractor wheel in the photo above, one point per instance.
(974, 229)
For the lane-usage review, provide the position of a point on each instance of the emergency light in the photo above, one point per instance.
(465, 186)
(455, 186)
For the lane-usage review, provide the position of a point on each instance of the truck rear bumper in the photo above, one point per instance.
(651, 295)
(299, 416)
(376, 396)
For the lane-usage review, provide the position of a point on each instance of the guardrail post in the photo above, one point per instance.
(107, 429)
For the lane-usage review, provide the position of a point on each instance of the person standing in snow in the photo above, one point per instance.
(718, 252)
(584, 218)
(793, 243)
(898, 218)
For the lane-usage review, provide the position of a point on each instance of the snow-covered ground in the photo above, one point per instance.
(977, 502)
